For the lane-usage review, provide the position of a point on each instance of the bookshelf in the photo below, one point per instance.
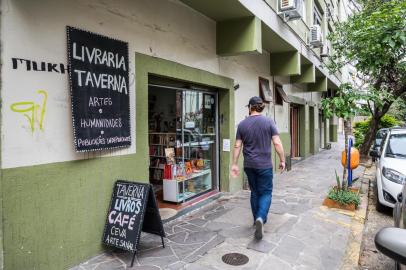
(158, 141)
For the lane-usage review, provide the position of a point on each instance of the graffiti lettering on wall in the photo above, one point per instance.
(32, 111)
(31, 65)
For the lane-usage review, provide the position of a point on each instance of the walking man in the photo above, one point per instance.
(255, 134)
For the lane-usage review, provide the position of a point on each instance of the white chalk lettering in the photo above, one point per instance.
(101, 123)
(102, 81)
(128, 205)
(79, 73)
(99, 101)
(132, 191)
(118, 232)
(98, 57)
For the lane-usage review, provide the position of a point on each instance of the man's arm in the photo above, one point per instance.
(279, 149)
(235, 171)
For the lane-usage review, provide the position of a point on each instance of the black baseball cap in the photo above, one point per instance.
(254, 101)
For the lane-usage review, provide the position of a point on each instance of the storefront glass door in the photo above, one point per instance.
(196, 143)
(188, 152)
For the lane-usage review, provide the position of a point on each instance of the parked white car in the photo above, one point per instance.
(390, 167)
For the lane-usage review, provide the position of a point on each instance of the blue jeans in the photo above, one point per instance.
(261, 185)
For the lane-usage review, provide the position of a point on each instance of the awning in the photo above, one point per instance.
(265, 91)
(282, 93)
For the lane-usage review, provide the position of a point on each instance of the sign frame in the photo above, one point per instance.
(99, 89)
(149, 211)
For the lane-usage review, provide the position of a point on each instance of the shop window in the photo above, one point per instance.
(265, 91)
(182, 141)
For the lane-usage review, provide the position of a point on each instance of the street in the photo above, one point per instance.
(371, 258)
(300, 234)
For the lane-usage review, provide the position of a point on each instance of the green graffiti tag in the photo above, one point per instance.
(33, 112)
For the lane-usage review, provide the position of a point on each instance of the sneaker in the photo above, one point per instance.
(259, 228)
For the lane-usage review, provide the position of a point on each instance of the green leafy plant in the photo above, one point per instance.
(343, 105)
(373, 41)
(338, 180)
(344, 197)
(361, 128)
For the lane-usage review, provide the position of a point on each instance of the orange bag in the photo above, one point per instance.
(354, 158)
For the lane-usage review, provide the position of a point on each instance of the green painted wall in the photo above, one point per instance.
(304, 132)
(239, 36)
(316, 140)
(319, 86)
(312, 134)
(326, 132)
(285, 138)
(307, 74)
(333, 133)
(54, 214)
(285, 63)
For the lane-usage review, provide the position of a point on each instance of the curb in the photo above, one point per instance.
(353, 250)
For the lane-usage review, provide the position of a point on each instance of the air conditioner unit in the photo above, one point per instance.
(286, 5)
(325, 50)
(291, 9)
(316, 37)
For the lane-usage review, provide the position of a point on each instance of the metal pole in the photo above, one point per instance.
(349, 163)
(132, 261)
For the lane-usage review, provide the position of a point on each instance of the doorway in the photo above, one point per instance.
(294, 131)
(183, 142)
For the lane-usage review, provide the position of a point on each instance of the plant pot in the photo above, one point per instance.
(333, 204)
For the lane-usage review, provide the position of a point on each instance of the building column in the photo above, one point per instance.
(304, 133)
(333, 129)
(314, 129)
(326, 131)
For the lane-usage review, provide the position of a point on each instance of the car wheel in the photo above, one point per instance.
(379, 207)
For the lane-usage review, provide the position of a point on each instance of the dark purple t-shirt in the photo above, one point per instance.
(256, 134)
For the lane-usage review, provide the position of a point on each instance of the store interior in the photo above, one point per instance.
(183, 149)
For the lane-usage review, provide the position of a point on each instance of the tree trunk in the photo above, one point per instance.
(398, 90)
(369, 136)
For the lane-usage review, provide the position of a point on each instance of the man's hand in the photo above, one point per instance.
(235, 170)
(282, 166)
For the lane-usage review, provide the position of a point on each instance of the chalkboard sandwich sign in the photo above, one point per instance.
(100, 90)
(132, 208)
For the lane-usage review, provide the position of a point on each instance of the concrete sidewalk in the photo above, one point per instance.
(300, 234)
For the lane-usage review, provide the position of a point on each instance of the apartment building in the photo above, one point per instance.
(169, 81)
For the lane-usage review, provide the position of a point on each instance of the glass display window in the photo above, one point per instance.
(183, 142)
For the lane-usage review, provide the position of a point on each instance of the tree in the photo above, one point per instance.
(398, 109)
(343, 105)
(374, 42)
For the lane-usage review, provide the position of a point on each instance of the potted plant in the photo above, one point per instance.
(342, 198)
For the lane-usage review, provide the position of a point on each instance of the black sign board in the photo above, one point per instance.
(132, 208)
(100, 90)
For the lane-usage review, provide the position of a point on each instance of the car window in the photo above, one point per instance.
(382, 142)
(396, 146)
(380, 134)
